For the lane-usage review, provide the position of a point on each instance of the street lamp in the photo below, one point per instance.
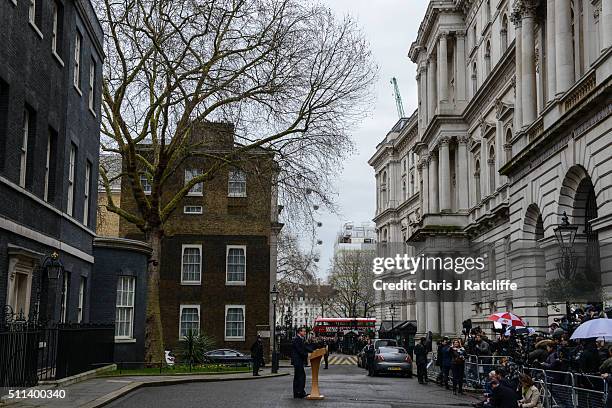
(392, 310)
(274, 296)
(565, 233)
(53, 266)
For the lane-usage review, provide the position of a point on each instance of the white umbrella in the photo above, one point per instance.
(594, 328)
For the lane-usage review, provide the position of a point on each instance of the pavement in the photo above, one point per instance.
(343, 385)
(100, 391)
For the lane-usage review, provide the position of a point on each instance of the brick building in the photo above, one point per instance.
(50, 85)
(218, 258)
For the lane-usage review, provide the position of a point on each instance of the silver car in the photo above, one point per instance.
(392, 360)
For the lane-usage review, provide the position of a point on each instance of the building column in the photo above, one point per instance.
(551, 71)
(434, 203)
(528, 72)
(431, 88)
(499, 152)
(443, 68)
(424, 167)
(460, 66)
(606, 24)
(484, 168)
(448, 319)
(422, 86)
(462, 174)
(433, 315)
(444, 181)
(421, 316)
(564, 45)
(518, 83)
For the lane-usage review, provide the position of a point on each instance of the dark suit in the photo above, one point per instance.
(504, 397)
(299, 357)
(257, 355)
(420, 354)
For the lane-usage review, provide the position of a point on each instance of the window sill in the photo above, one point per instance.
(78, 90)
(191, 283)
(234, 339)
(243, 283)
(58, 58)
(122, 340)
(237, 196)
(195, 194)
(36, 29)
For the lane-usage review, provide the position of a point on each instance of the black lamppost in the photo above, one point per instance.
(565, 233)
(53, 266)
(392, 310)
(274, 296)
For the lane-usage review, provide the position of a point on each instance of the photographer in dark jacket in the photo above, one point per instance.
(420, 357)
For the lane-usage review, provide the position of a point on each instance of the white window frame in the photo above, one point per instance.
(230, 180)
(190, 174)
(92, 82)
(145, 181)
(47, 167)
(190, 246)
(188, 306)
(64, 298)
(23, 161)
(81, 299)
(235, 338)
(198, 209)
(227, 250)
(54, 26)
(71, 166)
(76, 77)
(32, 12)
(129, 305)
(86, 193)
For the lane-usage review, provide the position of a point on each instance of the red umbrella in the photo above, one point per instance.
(507, 318)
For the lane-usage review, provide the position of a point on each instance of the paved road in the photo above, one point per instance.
(342, 385)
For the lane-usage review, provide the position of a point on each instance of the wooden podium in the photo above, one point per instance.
(315, 362)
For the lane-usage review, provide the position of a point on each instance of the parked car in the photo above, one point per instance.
(392, 360)
(385, 343)
(227, 356)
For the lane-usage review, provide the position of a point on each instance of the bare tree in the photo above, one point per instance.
(352, 280)
(287, 74)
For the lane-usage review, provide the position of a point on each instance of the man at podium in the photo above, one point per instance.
(299, 357)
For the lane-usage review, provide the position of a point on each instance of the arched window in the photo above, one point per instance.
(383, 190)
(491, 163)
(504, 34)
(508, 145)
(474, 78)
(411, 184)
(488, 58)
(477, 181)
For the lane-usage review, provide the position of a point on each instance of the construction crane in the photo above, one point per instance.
(398, 98)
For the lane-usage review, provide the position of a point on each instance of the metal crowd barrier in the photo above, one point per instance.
(558, 389)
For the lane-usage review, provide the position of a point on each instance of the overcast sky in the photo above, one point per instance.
(390, 26)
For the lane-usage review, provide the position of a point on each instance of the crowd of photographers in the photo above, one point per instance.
(506, 356)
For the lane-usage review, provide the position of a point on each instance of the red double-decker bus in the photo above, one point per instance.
(331, 326)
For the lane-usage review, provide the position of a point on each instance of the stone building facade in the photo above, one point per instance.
(512, 131)
(218, 257)
(51, 59)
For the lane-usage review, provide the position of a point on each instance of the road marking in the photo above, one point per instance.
(342, 360)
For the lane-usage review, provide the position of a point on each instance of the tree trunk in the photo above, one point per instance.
(153, 332)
